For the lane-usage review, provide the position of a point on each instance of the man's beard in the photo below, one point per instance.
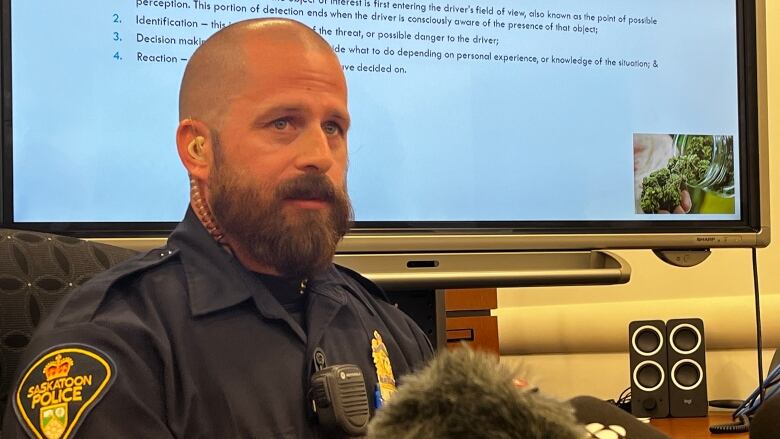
(296, 243)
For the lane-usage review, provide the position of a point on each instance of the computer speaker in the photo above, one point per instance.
(648, 360)
(687, 368)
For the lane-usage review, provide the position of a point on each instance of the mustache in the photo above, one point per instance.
(308, 187)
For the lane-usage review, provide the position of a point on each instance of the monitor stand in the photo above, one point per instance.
(683, 258)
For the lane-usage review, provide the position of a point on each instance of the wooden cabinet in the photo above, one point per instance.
(469, 320)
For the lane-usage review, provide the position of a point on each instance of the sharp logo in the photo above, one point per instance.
(706, 239)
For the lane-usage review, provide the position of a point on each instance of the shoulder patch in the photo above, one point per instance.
(59, 389)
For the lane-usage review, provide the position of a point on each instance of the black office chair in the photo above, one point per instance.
(36, 271)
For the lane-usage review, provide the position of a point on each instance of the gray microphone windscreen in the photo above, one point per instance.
(468, 394)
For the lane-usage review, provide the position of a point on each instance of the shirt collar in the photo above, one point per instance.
(216, 280)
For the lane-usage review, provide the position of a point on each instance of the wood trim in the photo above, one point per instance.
(477, 332)
(470, 299)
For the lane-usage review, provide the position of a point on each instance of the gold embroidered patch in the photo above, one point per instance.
(60, 387)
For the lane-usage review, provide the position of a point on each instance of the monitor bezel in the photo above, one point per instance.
(379, 237)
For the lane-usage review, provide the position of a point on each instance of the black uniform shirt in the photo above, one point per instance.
(185, 342)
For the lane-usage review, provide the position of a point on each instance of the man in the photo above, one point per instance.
(215, 334)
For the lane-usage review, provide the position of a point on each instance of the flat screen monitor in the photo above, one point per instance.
(478, 126)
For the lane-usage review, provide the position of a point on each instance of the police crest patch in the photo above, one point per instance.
(60, 387)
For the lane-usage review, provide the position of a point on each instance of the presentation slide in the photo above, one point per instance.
(462, 110)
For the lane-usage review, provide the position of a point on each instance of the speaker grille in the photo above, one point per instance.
(647, 340)
(685, 339)
(649, 376)
(687, 374)
(353, 394)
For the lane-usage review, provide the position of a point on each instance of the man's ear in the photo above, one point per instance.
(195, 147)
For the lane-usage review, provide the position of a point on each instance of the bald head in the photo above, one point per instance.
(218, 68)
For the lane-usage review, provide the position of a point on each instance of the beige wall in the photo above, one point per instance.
(572, 340)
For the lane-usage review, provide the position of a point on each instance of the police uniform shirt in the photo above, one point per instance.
(185, 342)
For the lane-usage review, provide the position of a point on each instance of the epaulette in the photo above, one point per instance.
(82, 304)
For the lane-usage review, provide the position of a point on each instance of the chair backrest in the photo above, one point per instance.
(36, 271)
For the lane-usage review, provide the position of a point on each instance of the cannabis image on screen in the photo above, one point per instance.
(684, 173)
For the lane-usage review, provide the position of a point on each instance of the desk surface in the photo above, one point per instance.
(696, 428)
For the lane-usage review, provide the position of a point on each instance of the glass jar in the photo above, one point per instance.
(718, 151)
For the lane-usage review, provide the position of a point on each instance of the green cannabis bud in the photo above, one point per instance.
(661, 189)
(689, 167)
(699, 146)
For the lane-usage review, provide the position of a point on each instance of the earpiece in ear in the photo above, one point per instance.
(196, 147)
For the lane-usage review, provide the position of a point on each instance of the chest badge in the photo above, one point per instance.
(59, 388)
(384, 370)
